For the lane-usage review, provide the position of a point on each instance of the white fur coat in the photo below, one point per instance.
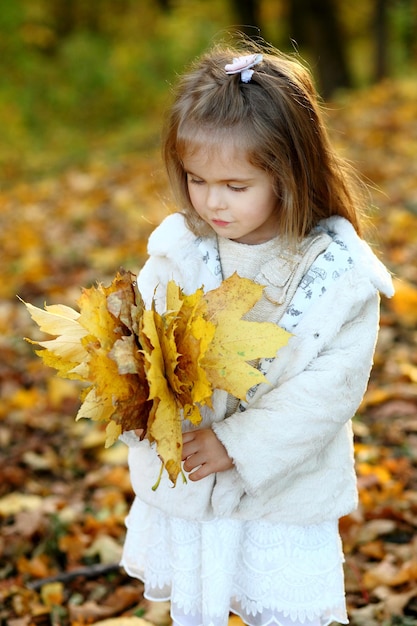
(292, 447)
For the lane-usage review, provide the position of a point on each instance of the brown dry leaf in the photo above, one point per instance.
(370, 615)
(74, 545)
(374, 550)
(89, 612)
(123, 598)
(26, 524)
(372, 530)
(117, 602)
(395, 603)
(20, 621)
(388, 573)
(37, 566)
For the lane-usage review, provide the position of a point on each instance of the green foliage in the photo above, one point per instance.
(101, 85)
(81, 78)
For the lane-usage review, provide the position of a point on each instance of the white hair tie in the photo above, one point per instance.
(242, 65)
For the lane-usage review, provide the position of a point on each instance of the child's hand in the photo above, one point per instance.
(202, 450)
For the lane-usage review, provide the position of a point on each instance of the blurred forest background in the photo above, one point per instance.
(81, 77)
(83, 89)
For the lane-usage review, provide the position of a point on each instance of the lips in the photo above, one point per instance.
(220, 223)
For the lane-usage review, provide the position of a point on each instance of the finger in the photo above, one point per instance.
(193, 461)
(201, 472)
(189, 448)
(188, 436)
(187, 451)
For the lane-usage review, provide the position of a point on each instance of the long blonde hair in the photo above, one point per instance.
(277, 121)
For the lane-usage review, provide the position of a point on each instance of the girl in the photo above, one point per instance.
(261, 192)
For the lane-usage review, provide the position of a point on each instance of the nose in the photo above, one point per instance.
(215, 198)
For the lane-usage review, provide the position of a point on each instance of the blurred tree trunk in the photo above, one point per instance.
(164, 5)
(64, 17)
(248, 16)
(71, 15)
(409, 28)
(381, 37)
(314, 25)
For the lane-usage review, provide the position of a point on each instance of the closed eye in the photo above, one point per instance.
(194, 181)
(238, 189)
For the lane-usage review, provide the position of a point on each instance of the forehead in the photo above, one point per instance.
(205, 148)
(192, 138)
(223, 161)
(223, 151)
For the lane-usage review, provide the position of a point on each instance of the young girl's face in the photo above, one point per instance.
(230, 194)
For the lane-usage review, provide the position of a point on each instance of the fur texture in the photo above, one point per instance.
(293, 447)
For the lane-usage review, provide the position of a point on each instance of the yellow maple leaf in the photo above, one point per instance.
(174, 344)
(237, 341)
(94, 407)
(164, 426)
(201, 343)
(100, 324)
(65, 351)
(98, 345)
(64, 367)
(151, 371)
(193, 334)
(121, 397)
(115, 363)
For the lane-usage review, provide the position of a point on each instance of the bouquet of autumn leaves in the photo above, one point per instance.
(148, 370)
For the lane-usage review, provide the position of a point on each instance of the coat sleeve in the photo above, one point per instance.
(285, 431)
(174, 254)
(152, 281)
(167, 246)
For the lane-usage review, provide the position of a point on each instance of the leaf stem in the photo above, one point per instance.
(156, 485)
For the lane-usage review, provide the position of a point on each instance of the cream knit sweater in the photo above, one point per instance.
(247, 261)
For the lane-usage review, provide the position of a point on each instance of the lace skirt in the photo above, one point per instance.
(266, 573)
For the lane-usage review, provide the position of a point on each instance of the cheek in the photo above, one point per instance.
(195, 199)
(192, 193)
(191, 196)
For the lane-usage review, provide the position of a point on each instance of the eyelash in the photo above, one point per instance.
(195, 181)
(237, 189)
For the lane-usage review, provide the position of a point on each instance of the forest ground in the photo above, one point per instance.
(63, 497)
